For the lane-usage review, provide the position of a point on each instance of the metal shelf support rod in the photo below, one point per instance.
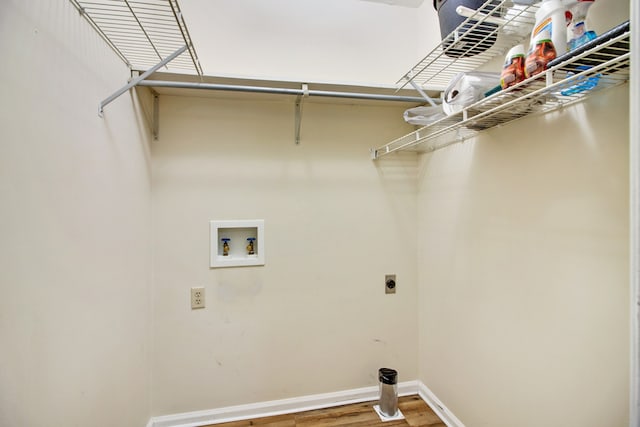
(140, 78)
(421, 92)
(279, 91)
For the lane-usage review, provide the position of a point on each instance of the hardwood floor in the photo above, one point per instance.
(416, 412)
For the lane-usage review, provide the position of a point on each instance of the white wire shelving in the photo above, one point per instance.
(498, 25)
(142, 32)
(606, 63)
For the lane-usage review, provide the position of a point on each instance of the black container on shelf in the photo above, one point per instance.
(472, 38)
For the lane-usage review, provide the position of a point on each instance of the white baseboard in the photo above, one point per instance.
(278, 407)
(438, 407)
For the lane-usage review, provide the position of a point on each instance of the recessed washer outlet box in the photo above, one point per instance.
(237, 243)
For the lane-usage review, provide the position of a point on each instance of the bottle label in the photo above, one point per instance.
(546, 24)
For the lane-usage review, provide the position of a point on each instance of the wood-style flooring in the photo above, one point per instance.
(416, 412)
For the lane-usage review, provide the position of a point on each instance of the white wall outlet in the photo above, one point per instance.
(197, 297)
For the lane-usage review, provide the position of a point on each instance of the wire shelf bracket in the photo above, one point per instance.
(135, 81)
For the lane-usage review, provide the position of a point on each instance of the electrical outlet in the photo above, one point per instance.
(197, 297)
(390, 284)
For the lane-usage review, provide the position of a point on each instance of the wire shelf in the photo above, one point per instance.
(487, 33)
(142, 32)
(600, 65)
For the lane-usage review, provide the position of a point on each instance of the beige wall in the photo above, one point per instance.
(516, 306)
(523, 269)
(74, 221)
(315, 318)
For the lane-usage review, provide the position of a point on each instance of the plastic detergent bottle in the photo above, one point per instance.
(552, 17)
(541, 53)
(513, 68)
(579, 33)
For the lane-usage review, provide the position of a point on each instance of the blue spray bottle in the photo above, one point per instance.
(579, 34)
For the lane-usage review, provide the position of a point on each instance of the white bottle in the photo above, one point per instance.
(551, 17)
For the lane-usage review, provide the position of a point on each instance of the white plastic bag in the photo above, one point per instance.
(423, 116)
(466, 89)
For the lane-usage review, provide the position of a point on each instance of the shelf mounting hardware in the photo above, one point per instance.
(299, 98)
(419, 90)
(140, 78)
(155, 115)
